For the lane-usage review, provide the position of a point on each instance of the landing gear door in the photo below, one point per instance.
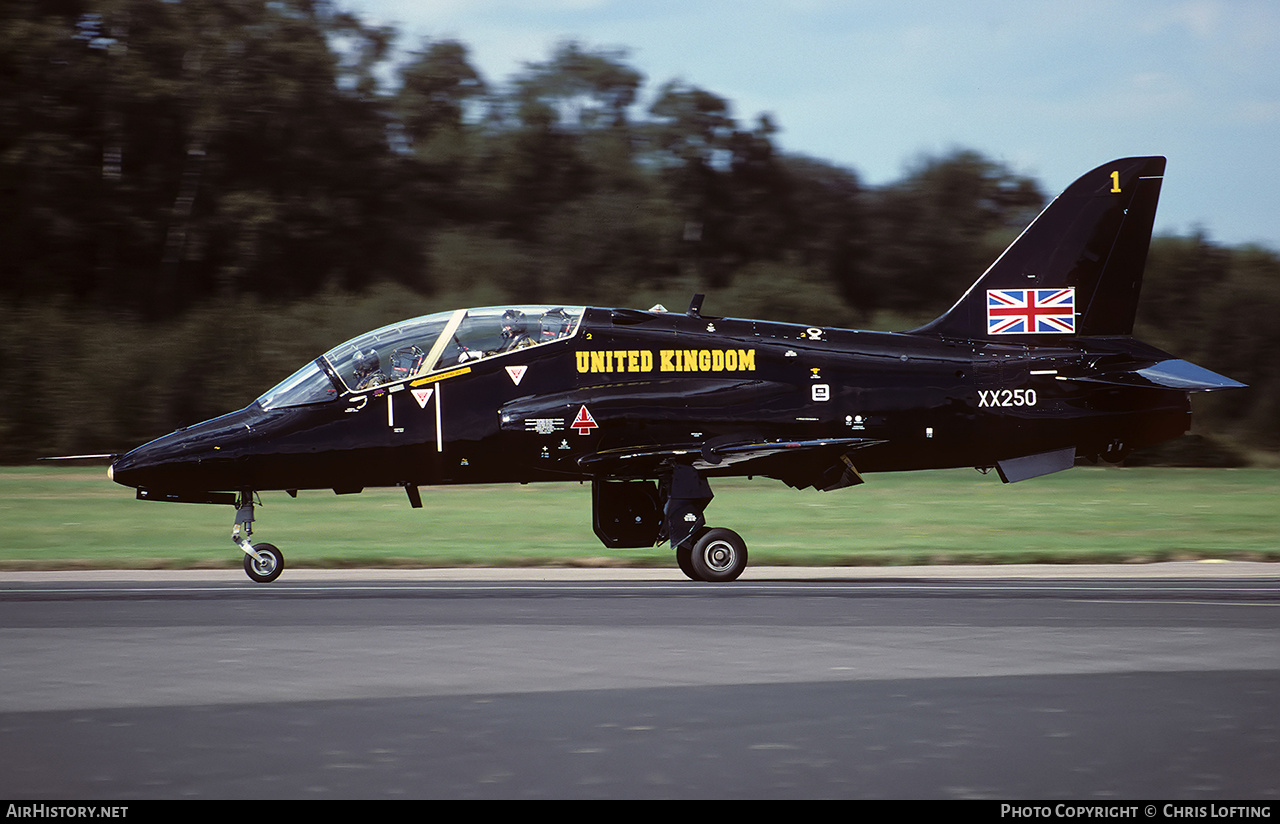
(626, 514)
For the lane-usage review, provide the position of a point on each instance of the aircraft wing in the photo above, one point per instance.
(718, 403)
(821, 463)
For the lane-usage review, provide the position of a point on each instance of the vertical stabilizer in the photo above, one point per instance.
(1076, 270)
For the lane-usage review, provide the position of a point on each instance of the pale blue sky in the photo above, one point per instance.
(1050, 88)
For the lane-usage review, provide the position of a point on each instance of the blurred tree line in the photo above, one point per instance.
(196, 197)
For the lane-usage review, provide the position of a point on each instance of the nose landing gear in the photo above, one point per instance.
(267, 566)
(262, 562)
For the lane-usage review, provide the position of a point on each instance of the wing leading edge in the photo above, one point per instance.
(821, 463)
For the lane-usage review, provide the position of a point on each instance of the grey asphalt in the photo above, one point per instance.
(1203, 569)
(1155, 681)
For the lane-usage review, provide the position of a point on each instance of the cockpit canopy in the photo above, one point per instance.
(422, 346)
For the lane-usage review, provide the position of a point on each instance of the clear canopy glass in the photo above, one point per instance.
(413, 348)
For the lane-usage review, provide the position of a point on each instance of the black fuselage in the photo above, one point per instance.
(629, 380)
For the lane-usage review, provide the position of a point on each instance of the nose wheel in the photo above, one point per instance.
(267, 566)
(262, 562)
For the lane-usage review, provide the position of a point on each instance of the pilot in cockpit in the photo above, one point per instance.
(554, 324)
(368, 370)
(514, 335)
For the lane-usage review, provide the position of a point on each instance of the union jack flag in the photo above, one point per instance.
(1031, 311)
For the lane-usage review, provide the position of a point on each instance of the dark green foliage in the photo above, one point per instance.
(157, 155)
(1188, 451)
(195, 198)
(938, 229)
(1217, 307)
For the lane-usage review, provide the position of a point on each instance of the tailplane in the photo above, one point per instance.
(1076, 270)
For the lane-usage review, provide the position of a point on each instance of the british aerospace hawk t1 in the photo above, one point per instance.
(1031, 371)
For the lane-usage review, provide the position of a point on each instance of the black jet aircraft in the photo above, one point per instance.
(1033, 370)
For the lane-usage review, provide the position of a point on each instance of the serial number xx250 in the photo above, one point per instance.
(1006, 397)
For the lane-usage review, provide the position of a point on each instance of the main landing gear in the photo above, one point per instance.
(262, 562)
(703, 553)
(643, 513)
(714, 555)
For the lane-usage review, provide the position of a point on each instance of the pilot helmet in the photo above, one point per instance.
(367, 363)
(554, 323)
(513, 323)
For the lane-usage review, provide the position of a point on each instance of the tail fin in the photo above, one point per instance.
(1076, 270)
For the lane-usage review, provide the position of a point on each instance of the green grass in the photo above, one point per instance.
(59, 517)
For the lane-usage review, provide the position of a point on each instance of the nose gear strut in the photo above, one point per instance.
(264, 562)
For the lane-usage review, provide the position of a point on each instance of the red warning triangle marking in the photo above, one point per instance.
(516, 373)
(422, 396)
(584, 423)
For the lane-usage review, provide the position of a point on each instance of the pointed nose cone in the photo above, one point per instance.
(206, 456)
(133, 468)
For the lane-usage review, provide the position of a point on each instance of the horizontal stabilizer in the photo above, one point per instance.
(1033, 466)
(1180, 374)
(1167, 374)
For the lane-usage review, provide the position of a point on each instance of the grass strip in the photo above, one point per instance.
(66, 517)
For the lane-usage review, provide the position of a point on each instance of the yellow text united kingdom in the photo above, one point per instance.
(666, 360)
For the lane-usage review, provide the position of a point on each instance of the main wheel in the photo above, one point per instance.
(269, 568)
(718, 555)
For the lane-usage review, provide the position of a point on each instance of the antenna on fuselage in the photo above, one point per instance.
(695, 306)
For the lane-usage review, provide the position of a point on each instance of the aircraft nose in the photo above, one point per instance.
(136, 467)
(193, 458)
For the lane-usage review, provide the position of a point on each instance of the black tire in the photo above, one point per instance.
(718, 555)
(271, 566)
(684, 558)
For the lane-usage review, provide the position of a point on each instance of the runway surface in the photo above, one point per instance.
(1102, 683)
